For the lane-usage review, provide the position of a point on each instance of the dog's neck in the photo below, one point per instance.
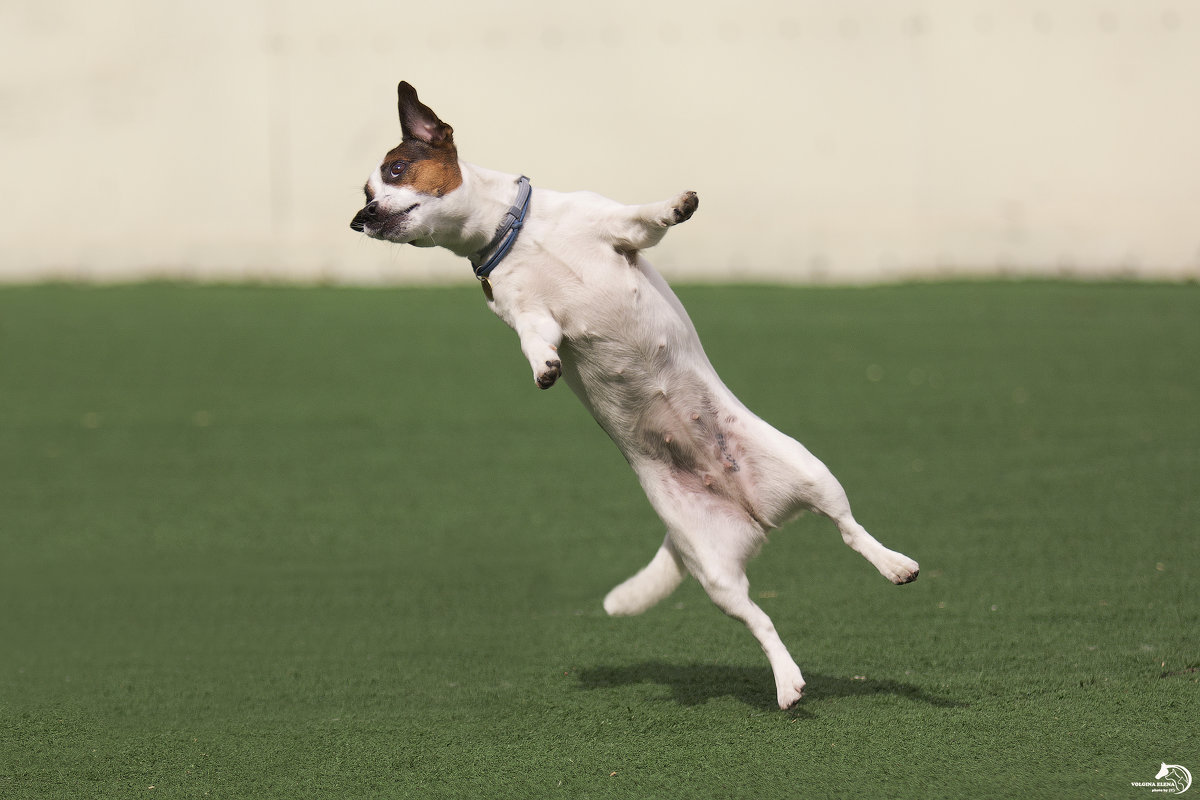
(481, 203)
(490, 256)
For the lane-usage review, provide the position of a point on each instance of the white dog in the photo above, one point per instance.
(566, 272)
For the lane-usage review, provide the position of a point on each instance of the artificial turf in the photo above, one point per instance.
(332, 543)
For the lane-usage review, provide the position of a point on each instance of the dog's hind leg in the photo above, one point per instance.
(634, 228)
(714, 539)
(804, 482)
(896, 567)
(650, 585)
(722, 573)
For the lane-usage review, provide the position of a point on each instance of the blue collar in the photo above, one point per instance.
(506, 234)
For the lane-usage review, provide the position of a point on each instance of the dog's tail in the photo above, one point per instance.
(654, 582)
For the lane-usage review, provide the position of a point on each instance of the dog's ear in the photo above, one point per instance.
(417, 120)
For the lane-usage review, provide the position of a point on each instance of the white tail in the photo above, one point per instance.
(651, 584)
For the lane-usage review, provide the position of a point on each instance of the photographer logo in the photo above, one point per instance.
(1171, 779)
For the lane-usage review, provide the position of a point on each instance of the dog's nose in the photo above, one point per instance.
(368, 212)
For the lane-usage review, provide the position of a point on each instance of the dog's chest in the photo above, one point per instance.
(632, 356)
(623, 331)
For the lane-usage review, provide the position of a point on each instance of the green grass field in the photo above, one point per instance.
(318, 543)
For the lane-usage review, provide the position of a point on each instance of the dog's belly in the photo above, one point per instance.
(644, 377)
(673, 425)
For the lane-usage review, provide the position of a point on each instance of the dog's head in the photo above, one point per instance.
(405, 191)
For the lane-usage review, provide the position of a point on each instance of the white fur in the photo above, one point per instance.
(585, 304)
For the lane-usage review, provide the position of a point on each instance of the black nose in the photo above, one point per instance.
(368, 212)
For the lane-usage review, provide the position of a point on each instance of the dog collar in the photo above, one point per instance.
(506, 234)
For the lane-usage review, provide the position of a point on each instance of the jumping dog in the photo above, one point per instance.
(566, 272)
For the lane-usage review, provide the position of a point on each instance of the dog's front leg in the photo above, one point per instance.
(638, 227)
(540, 336)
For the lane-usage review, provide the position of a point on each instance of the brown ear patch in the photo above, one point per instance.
(424, 168)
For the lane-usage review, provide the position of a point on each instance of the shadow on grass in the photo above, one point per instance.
(695, 684)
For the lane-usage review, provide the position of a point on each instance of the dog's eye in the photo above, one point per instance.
(397, 168)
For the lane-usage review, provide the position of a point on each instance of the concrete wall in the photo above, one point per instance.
(847, 141)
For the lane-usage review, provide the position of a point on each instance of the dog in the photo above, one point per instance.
(566, 272)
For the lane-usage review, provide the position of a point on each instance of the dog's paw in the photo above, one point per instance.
(546, 377)
(684, 206)
(789, 689)
(900, 569)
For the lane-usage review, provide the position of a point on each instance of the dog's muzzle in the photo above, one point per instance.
(369, 213)
(379, 223)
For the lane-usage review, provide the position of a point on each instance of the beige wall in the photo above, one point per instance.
(829, 141)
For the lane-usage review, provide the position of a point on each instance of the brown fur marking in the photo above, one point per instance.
(431, 169)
